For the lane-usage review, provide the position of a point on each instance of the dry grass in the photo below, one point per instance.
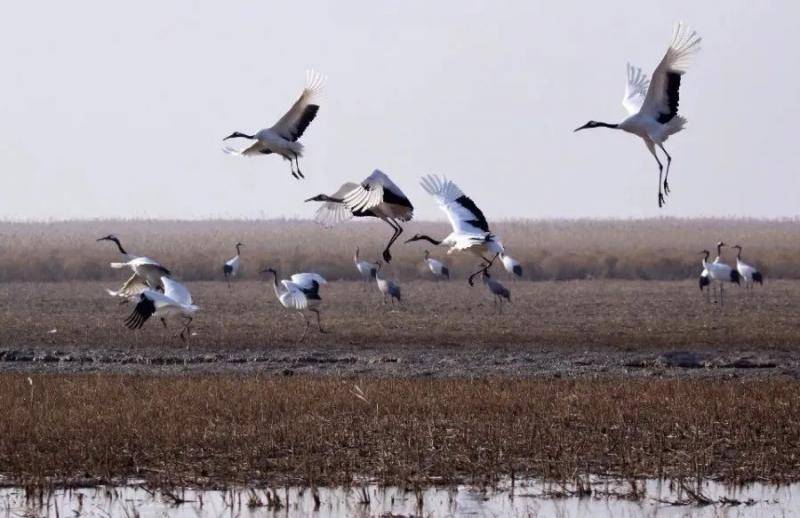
(645, 249)
(179, 430)
(599, 313)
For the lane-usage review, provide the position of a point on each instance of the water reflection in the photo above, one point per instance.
(597, 498)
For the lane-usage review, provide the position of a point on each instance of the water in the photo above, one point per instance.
(530, 498)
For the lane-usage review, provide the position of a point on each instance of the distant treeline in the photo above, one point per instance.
(548, 249)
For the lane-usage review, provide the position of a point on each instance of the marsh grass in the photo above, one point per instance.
(215, 430)
(664, 249)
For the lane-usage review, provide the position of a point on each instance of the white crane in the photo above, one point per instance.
(233, 265)
(281, 138)
(147, 273)
(377, 196)
(719, 272)
(748, 273)
(511, 265)
(652, 105)
(300, 293)
(499, 292)
(437, 268)
(175, 301)
(388, 287)
(365, 268)
(470, 229)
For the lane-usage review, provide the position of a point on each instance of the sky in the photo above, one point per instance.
(111, 109)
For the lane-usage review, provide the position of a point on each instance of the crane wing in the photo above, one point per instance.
(294, 298)
(635, 90)
(332, 213)
(133, 287)
(255, 149)
(662, 97)
(176, 291)
(465, 217)
(143, 310)
(364, 197)
(292, 125)
(306, 280)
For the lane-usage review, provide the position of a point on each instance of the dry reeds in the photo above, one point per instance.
(218, 429)
(663, 249)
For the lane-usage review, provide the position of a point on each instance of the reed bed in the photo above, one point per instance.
(664, 249)
(216, 430)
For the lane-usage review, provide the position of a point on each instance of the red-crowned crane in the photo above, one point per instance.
(281, 138)
(652, 105)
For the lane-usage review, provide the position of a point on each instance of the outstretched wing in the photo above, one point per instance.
(465, 217)
(294, 123)
(331, 213)
(144, 309)
(635, 90)
(176, 291)
(662, 97)
(133, 287)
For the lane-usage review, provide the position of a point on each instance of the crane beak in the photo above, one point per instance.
(582, 127)
(232, 135)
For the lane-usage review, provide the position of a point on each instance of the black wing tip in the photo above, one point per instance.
(517, 270)
(757, 277)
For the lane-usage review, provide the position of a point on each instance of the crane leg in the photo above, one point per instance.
(298, 166)
(319, 324)
(666, 175)
(305, 329)
(387, 256)
(187, 330)
(651, 147)
(484, 268)
(164, 322)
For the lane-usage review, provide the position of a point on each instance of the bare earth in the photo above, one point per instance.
(564, 329)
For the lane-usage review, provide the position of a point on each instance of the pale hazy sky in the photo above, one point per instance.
(117, 109)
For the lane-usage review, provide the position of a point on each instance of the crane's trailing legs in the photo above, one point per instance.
(299, 173)
(666, 174)
(484, 268)
(387, 256)
(652, 149)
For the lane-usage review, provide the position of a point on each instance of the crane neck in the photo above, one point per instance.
(237, 250)
(275, 285)
(430, 240)
(705, 258)
(355, 257)
(119, 245)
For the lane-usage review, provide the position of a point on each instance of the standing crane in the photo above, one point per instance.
(437, 268)
(499, 292)
(233, 265)
(748, 273)
(282, 138)
(388, 287)
(365, 268)
(652, 105)
(511, 265)
(300, 293)
(377, 196)
(719, 272)
(470, 229)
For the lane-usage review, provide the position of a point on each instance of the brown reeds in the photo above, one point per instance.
(245, 429)
(663, 249)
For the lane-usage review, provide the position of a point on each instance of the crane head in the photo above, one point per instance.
(238, 134)
(269, 270)
(596, 124)
(738, 247)
(110, 237)
(318, 197)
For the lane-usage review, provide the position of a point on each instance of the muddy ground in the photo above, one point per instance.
(592, 328)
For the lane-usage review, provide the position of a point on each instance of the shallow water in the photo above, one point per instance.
(607, 499)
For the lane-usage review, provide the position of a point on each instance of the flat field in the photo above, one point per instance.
(445, 329)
